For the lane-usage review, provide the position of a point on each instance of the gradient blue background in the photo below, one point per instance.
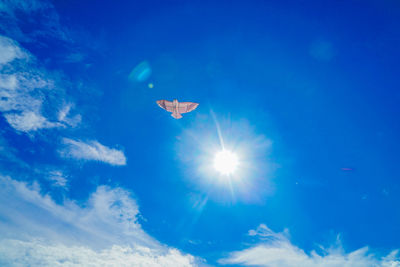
(320, 79)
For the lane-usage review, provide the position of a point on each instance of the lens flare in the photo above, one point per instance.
(225, 162)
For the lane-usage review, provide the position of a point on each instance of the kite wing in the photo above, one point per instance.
(165, 104)
(185, 107)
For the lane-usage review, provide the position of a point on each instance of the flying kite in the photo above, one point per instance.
(177, 107)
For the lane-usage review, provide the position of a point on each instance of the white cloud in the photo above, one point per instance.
(105, 231)
(265, 233)
(275, 250)
(9, 50)
(29, 121)
(8, 82)
(58, 179)
(63, 116)
(92, 150)
(37, 253)
(26, 91)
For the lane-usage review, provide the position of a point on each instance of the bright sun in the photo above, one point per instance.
(225, 162)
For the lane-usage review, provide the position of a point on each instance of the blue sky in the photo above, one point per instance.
(305, 93)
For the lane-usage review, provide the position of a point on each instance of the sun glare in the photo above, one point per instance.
(225, 162)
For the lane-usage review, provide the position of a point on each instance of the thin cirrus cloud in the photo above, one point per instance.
(26, 91)
(64, 116)
(275, 249)
(13, 12)
(29, 121)
(58, 179)
(91, 150)
(9, 51)
(105, 231)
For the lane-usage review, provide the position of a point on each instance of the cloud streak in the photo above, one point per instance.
(92, 150)
(275, 249)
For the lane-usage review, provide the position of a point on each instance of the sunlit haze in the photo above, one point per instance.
(226, 162)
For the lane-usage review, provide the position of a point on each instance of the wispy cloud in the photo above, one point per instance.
(10, 7)
(105, 231)
(92, 150)
(275, 249)
(26, 91)
(64, 116)
(29, 121)
(9, 51)
(58, 179)
(13, 12)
